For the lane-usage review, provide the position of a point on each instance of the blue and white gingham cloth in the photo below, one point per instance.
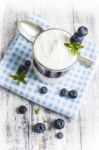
(77, 78)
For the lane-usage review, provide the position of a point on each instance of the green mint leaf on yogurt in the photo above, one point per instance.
(68, 45)
(75, 49)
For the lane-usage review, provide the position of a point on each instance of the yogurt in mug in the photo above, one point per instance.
(51, 58)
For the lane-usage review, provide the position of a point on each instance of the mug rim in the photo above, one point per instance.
(56, 70)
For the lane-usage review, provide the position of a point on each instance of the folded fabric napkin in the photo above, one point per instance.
(77, 78)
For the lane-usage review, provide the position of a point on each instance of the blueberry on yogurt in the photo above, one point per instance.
(82, 31)
(77, 38)
(72, 41)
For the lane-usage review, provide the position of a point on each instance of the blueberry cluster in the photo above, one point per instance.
(40, 127)
(63, 92)
(78, 37)
(21, 73)
(72, 93)
(58, 124)
(24, 67)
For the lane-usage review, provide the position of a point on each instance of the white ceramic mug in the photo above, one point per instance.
(44, 73)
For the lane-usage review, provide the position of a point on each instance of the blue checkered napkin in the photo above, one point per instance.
(77, 78)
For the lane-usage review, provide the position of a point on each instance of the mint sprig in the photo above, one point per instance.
(37, 110)
(20, 77)
(47, 120)
(75, 49)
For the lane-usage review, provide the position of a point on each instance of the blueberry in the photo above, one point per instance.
(43, 90)
(77, 38)
(22, 109)
(22, 68)
(39, 128)
(59, 124)
(28, 63)
(60, 135)
(63, 92)
(73, 93)
(72, 41)
(82, 31)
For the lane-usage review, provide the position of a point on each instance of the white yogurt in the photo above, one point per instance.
(50, 51)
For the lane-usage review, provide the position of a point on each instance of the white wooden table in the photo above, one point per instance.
(82, 133)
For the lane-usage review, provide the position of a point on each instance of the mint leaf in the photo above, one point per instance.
(47, 120)
(20, 77)
(77, 46)
(75, 49)
(23, 81)
(78, 53)
(14, 77)
(37, 111)
(18, 81)
(72, 52)
(81, 46)
(68, 45)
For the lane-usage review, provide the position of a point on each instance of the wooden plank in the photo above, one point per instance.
(14, 131)
(47, 141)
(89, 114)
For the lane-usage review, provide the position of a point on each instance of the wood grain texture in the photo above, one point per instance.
(16, 133)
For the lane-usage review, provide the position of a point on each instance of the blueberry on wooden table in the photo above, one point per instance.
(59, 123)
(39, 128)
(22, 109)
(43, 90)
(24, 67)
(59, 135)
(63, 92)
(82, 31)
(27, 63)
(73, 93)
